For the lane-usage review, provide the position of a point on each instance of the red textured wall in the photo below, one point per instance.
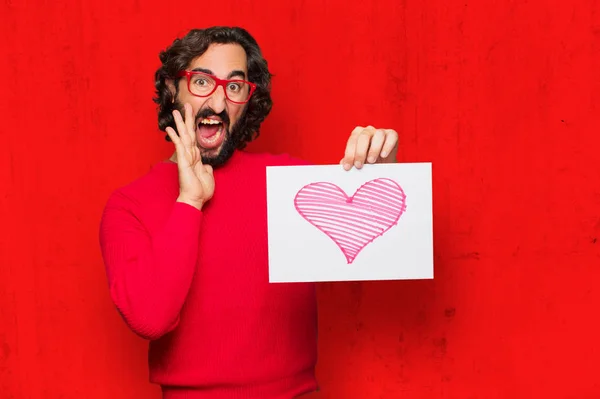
(502, 97)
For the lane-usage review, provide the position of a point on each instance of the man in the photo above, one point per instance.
(185, 246)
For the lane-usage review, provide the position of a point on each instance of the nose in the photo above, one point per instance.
(218, 100)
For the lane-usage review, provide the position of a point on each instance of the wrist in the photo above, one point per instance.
(196, 204)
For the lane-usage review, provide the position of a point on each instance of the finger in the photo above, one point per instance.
(190, 131)
(179, 147)
(173, 136)
(189, 123)
(181, 129)
(362, 147)
(376, 145)
(391, 143)
(350, 150)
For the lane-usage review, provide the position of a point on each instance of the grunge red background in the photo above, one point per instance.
(501, 96)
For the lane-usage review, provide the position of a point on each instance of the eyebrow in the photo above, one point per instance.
(234, 73)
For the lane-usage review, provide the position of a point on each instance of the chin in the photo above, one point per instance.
(216, 157)
(211, 152)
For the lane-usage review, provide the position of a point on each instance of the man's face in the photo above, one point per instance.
(216, 118)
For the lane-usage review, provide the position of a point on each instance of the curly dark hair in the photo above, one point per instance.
(179, 56)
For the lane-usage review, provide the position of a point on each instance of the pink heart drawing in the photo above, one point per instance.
(356, 221)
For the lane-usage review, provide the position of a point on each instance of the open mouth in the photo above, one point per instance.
(210, 132)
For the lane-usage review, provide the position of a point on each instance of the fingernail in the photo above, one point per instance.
(358, 164)
(383, 154)
(347, 166)
(371, 159)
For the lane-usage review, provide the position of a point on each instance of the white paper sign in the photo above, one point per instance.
(329, 224)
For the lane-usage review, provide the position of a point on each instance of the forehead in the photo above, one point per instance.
(221, 59)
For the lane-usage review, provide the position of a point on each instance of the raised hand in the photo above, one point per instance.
(196, 180)
(370, 145)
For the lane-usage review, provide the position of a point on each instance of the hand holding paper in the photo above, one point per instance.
(370, 145)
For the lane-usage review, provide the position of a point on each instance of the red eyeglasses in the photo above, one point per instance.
(201, 84)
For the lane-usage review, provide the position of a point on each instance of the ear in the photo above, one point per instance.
(171, 87)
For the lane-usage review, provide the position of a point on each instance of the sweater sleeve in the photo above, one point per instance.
(149, 275)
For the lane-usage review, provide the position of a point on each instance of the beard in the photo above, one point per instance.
(218, 156)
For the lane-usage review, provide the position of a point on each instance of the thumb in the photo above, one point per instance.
(207, 181)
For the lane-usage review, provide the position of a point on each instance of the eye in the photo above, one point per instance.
(200, 81)
(234, 87)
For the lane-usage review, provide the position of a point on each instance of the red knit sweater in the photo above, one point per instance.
(195, 283)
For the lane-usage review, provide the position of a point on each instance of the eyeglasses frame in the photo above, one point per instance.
(219, 82)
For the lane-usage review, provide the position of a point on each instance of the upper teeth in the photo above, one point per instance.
(210, 121)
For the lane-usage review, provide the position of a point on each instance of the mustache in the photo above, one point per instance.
(208, 112)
